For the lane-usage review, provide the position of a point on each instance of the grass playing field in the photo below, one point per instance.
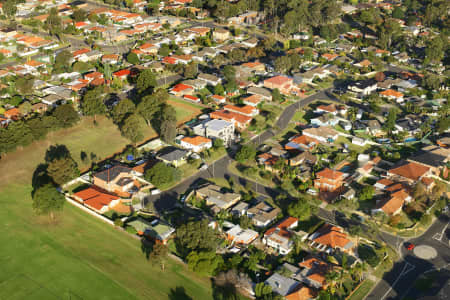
(79, 257)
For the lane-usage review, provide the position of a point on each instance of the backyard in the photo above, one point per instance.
(79, 256)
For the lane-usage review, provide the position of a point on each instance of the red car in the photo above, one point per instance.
(409, 246)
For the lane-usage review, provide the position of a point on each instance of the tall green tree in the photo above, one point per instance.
(47, 200)
(168, 127)
(159, 255)
(54, 22)
(9, 8)
(66, 115)
(300, 209)
(124, 108)
(146, 80)
(196, 236)
(92, 103)
(62, 168)
(132, 127)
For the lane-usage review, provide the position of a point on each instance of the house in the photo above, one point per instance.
(216, 197)
(282, 285)
(240, 209)
(252, 100)
(246, 110)
(173, 156)
(117, 179)
(374, 128)
(265, 94)
(200, 31)
(240, 121)
(394, 203)
(313, 271)
(122, 74)
(262, 214)
(111, 59)
(409, 172)
(330, 56)
(12, 114)
(53, 100)
(209, 79)
(392, 95)
(363, 87)
(196, 144)
(284, 84)
(434, 157)
(324, 120)
(305, 158)
(329, 180)
(323, 134)
(97, 199)
(267, 160)
(181, 90)
(218, 99)
(279, 237)
(331, 237)
(149, 49)
(301, 142)
(237, 235)
(216, 129)
(156, 230)
(331, 109)
(221, 34)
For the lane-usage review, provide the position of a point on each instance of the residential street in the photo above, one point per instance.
(398, 283)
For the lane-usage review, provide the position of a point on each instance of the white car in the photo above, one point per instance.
(155, 192)
(203, 167)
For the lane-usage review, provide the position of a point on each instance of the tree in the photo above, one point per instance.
(133, 58)
(204, 263)
(389, 125)
(62, 61)
(229, 73)
(246, 153)
(159, 255)
(61, 166)
(92, 104)
(132, 127)
(79, 15)
(47, 200)
(53, 22)
(218, 89)
(162, 175)
(300, 209)
(398, 13)
(25, 85)
(218, 143)
(124, 108)
(164, 50)
(276, 95)
(146, 80)
(25, 108)
(262, 290)
(443, 124)
(434, 51)
(195, 236)
(190, 70)
(366, 193)
(66, 115)
(9, 8)
(168, 128)
(151, 104)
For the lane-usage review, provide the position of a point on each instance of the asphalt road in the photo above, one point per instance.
(399, 282)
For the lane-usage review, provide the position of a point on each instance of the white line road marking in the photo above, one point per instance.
(403, 272)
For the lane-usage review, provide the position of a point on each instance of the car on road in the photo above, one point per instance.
(409, 246)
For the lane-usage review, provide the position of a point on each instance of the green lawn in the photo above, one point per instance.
(362, 291)
(79, 257)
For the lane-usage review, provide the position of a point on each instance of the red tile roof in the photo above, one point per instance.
(410, 170)
(330, 174)
(95, 197)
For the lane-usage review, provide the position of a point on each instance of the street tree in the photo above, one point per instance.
(300, 209)
(246, 153)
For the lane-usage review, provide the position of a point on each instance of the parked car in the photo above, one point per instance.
(409, 246)
(203, 167)
(155, 192)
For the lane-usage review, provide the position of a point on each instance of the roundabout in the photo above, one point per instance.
(425, 252)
